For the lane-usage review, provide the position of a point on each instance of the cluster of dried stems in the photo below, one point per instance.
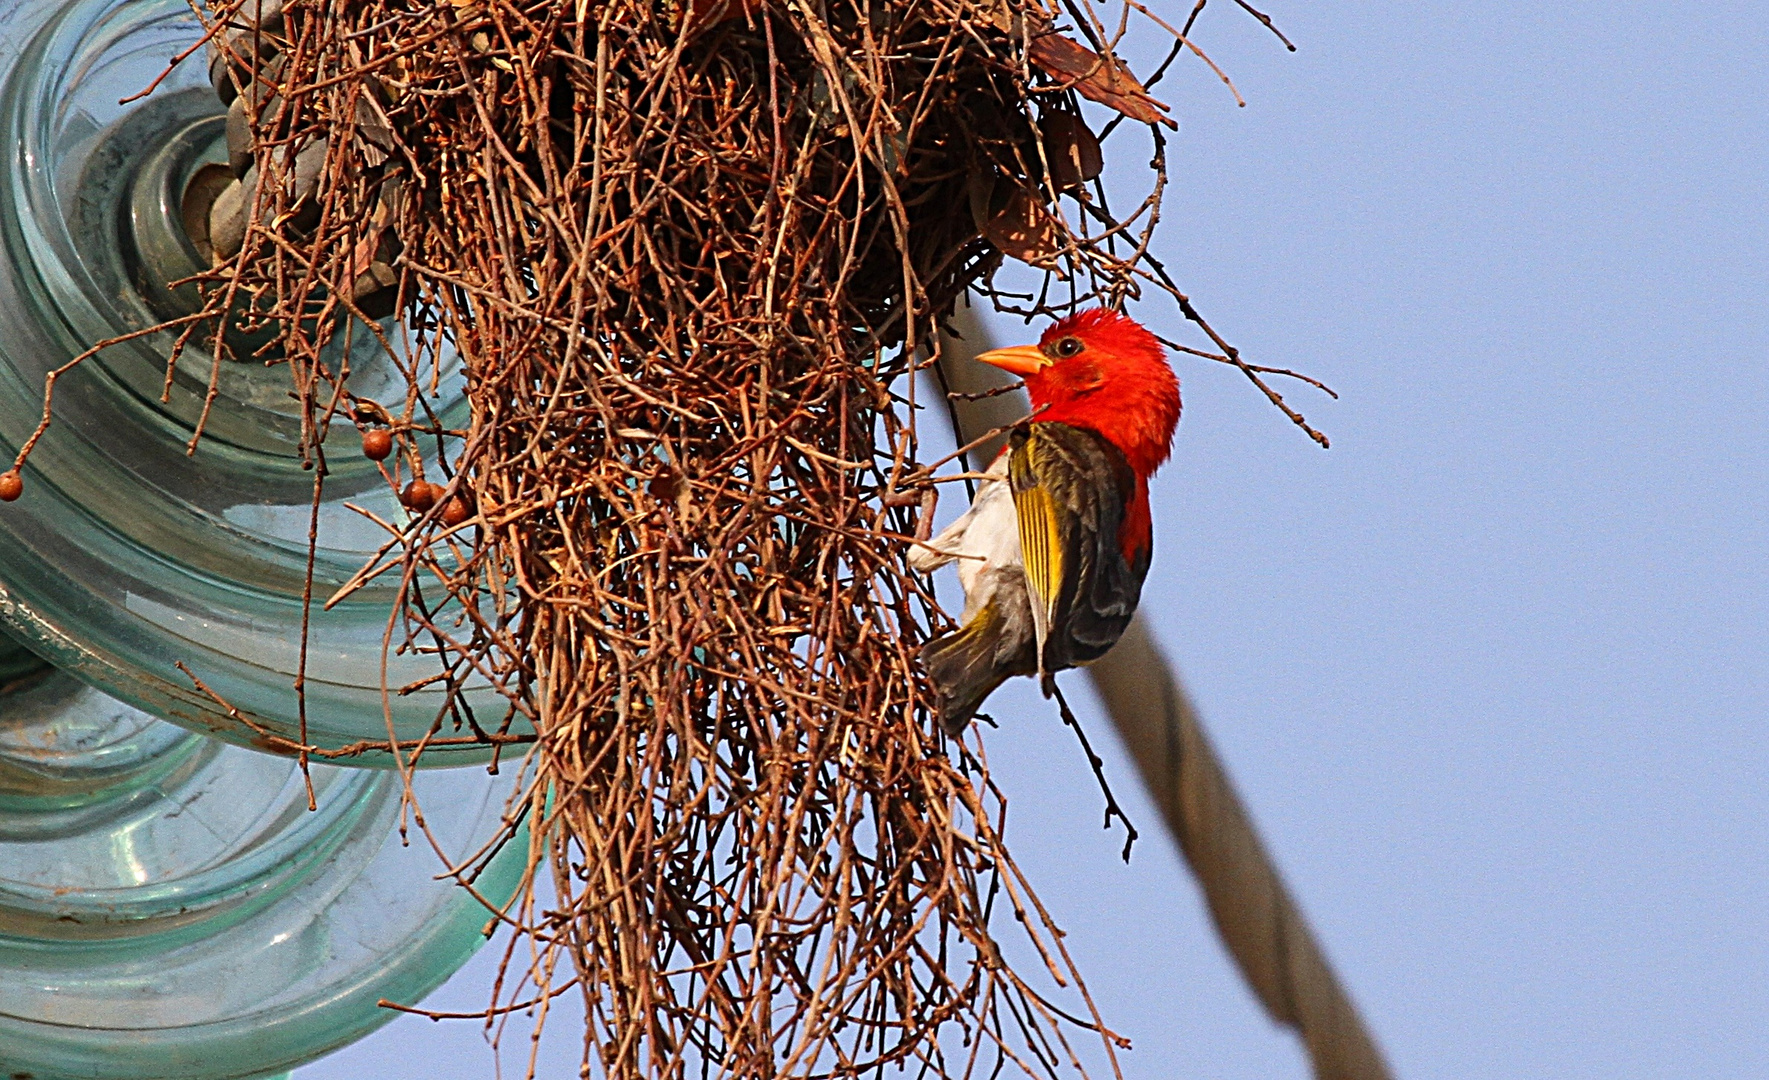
(690, 255)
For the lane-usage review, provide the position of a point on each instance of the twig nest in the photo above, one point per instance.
(683, 347)
(11, 485)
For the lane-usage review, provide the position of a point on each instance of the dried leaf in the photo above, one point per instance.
(1102, 79)
(1025, 230)
(997, 13)
(1071, 149)
(372, 123)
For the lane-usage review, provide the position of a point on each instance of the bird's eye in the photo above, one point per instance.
(1068, 347)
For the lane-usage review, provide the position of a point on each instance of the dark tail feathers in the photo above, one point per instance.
(965, 669)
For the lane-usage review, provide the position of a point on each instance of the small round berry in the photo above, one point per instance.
(377, 443)
(419, 496)
(455, 511)
(11, 485)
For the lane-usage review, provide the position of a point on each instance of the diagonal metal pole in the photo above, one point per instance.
(1254, 913)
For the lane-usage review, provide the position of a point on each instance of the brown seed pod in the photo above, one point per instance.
(455, 511)
(420, 495)
(11, 485)
(377, 443)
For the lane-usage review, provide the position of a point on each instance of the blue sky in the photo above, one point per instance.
(1490, 672)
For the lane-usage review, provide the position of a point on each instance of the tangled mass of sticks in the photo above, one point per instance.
(690, 256)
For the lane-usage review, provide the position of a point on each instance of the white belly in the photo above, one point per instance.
(985, 542)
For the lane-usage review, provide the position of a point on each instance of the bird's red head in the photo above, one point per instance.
(1101, 370)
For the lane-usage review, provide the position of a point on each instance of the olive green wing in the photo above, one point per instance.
(1070, 488)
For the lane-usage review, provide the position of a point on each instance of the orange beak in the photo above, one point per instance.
(1022, 360)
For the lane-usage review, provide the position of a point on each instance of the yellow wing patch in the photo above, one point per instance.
(1041, 541)
(1041, 544)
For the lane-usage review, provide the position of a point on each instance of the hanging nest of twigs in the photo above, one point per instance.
(689, 255)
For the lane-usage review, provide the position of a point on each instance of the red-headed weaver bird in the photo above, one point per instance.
(1053, 551)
